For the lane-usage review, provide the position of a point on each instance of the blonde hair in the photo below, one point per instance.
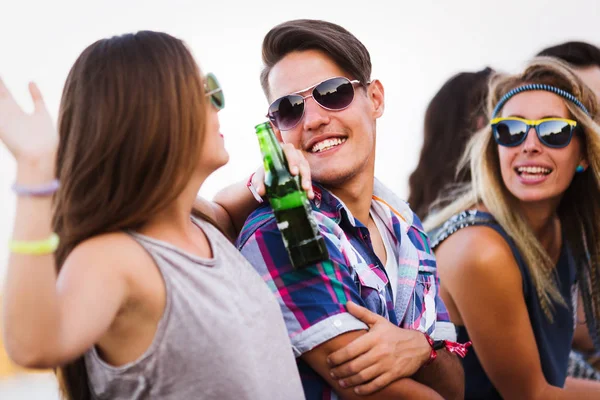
(579, 214)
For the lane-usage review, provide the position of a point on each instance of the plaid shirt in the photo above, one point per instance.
(313, 299)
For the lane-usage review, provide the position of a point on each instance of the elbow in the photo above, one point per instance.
(32, 355)
(32, 360)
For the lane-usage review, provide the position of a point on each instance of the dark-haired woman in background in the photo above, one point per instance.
(454, 114)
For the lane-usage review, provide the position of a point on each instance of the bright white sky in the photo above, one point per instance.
(415, 47)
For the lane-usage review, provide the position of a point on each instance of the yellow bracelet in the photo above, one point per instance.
(35, 247)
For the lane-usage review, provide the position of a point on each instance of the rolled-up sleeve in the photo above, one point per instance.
(312, 299)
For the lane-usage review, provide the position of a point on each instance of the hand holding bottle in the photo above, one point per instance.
(289, 201)
(297, 165)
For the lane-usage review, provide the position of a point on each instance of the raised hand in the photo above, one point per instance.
(29, 137)
(297, 164)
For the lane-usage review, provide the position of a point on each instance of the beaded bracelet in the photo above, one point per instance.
(45, 189)
(35, 247)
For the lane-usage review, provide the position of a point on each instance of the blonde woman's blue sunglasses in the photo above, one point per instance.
(552, 132)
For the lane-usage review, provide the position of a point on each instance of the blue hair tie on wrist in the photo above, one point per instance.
(42, 190)
(538, 86)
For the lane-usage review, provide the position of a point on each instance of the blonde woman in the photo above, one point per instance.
(515, 246)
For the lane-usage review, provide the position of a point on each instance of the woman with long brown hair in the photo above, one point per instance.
(516, 246)
(111, 277)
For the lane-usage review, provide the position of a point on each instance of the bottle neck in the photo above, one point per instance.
(273, 156)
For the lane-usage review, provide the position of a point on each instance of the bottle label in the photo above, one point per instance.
(292, 200)
(283, 225)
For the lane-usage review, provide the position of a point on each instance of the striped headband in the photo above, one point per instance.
(537, 86)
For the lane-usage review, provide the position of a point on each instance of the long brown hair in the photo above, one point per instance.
(579, 210)
(453, 116)
(131, 124)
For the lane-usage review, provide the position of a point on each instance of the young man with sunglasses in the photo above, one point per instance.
(370, 318)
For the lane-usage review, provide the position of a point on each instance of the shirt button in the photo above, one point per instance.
(337, 323)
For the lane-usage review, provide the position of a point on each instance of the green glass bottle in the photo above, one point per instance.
(291, 207)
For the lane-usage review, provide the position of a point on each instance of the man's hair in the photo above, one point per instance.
(579, 54)
(306, 34)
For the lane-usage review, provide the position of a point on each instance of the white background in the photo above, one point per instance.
(415, 47)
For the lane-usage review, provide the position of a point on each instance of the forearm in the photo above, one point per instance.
(237, 201)
(30, 300)
(445, 375)
(405, 388)
(582, 389)
(217, 214)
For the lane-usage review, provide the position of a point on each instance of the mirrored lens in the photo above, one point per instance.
(555, 133)
(287, 111)
(217, 97)
(334, 94)
(510, 132)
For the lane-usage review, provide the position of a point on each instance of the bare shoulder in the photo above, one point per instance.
(478, 252)
(114, 253)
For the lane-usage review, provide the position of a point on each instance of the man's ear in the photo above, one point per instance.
(377, 97)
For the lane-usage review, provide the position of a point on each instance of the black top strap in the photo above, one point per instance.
(461, 220)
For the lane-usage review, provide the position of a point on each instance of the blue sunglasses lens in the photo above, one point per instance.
(555, 133)
(509, 133)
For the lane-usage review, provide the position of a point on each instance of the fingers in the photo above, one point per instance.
(299, 166)
(258, 181)
(363, 376)
(362, 313)
(36, 96)
(5, 95)
(349, 352)
(306, 177)
(376, 384)
(3, 90)
(355, 366)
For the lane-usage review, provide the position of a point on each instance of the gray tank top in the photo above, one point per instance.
(221, 336)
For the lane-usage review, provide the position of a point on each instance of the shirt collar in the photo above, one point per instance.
(329, 204)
